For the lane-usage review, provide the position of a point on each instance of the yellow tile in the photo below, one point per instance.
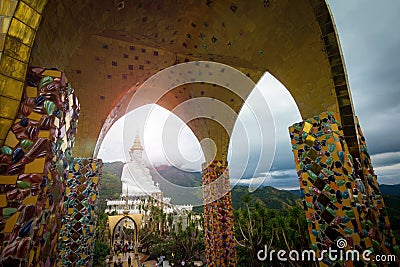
(310, 140)
(11, 87)
(356, 238)
(94, 166)
(9, 108)
(346, 202)
(35, 116)
(11, 222)
(13, 67)
(307, 127)
(36, 166)
(16, 49)
(12, 179)
(5, 125)
(340, 213)
(7, 7)
(27, 15)
(3, 200)
(31, 200)
(52, 73)
(95, 179)
(38, 5)
(5, 24)
(2, 41)
(44, 134)
(93, 197)
(21, 31)
(38, 252)
(11, 140)
(368, 242)
(31, 256)
(70, 211)
(338, 146)
(31, 91)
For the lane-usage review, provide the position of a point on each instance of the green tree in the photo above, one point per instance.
(101, 251)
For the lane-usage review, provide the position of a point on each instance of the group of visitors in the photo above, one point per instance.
(119, 263)
(120, 247)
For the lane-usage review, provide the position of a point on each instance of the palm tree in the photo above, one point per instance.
(250, 223)
(296, 214)
(282, 225)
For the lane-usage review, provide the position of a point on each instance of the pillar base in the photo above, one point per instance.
(218, 215)
(79, 221)
(34, 161)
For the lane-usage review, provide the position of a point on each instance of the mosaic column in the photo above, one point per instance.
(218, 215)
(336, 201)
(80, 208)
(34, 162)
(377, 224)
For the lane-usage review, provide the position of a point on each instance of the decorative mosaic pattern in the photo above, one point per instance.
(377, 220)
(79, 220)
(34, 161)
(335, 198)
(218, 215)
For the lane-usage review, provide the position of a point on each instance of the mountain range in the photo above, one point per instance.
(169, 177)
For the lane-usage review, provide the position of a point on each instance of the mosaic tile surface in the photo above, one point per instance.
(377, 220)
(79, 220)
(335, 197)
(34, 162)
(218, 215)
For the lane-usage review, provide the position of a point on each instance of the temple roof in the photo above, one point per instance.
(137, 145)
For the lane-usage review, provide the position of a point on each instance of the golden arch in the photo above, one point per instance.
(114, 220)
(298, 45)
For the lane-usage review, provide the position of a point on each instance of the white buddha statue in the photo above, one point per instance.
(136, 178)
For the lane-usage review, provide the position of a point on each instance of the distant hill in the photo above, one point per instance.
(110, 182)
(167, 175)
(385, 190)
(271, 197)
(390, 189)
(176, 176)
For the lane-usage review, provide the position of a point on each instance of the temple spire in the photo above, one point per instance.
(136, 147)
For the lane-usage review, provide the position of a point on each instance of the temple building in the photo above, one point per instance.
(136, 178)
(139, 191)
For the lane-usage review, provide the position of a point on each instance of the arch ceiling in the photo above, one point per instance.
(109, 49)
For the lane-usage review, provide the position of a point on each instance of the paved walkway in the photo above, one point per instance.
(124, 259)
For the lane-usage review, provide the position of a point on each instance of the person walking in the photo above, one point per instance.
(129, 261)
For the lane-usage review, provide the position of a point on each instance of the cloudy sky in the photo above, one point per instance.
(370, 41)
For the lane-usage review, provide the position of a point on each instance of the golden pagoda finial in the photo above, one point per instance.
(137, 145)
